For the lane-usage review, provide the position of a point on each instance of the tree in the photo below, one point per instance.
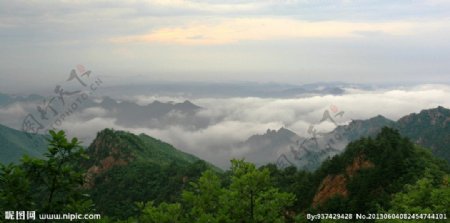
(250, 197)
(423, 197)
(203, 198)
(51, 185)
(163, 213)
(14, 188)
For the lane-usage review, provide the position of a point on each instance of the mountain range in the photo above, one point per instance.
(154, 115)
(237, 89)
(14, 144)
(429, 128)
(6, 99)
(386, 171)
(125, 168)
(126, 113)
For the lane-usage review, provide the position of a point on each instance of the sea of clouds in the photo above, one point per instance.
(233, 120)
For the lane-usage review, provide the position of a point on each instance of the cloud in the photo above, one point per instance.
(13, 115)
(358, 40)
(239, 118)
(233, 120)
(224, 31)
(213, 6)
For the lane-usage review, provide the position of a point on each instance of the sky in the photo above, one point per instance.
(295, 41)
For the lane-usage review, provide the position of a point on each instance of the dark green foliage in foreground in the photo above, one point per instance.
(396, 162)
(117, 191)
(401, 178)
(50, 185)
(251, 197)
(423, 197)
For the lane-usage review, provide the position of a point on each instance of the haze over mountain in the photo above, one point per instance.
(14, 144)
(211, 127)
(429, 128)
(233, 89)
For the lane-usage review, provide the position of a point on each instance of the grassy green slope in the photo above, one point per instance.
(130, 168)
(14, 144)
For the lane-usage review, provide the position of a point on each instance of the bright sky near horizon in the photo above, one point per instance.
(217, 40)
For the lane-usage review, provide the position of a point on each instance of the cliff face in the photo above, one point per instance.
(125, 168)
(105, 152)
(336, 185)
(113, 149)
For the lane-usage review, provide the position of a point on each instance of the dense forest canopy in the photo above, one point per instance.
(384, 174)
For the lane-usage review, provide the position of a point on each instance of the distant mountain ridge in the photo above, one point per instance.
(429, 128)
(154, 115)
(14, 144)
(6, 99)
(268, 144)
(237, 89)
(126, 113)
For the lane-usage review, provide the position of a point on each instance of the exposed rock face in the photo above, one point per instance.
(336, 185)
(113, 148)
(105, 164)
(105, 153)
(358, 163)
(330, 187)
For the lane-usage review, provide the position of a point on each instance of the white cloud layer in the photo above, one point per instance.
(235, 119)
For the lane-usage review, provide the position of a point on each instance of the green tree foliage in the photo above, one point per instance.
(51, 185)
(250, 197)
(117, 191)
(423, 197)
(298, 182)
(137, 168)
(396, 162)
(163, 213)
(14, 188)
(159, 185)
(203, 198)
